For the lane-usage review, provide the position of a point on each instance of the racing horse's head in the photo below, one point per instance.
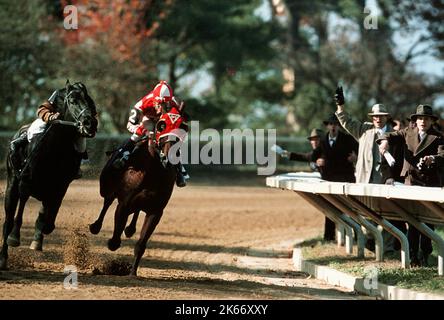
(80, 108)
(171, 130)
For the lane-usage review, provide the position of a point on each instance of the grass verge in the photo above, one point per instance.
(389, 271)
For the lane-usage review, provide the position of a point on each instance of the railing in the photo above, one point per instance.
(350, 205)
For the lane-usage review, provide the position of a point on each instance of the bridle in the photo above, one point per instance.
(66, 107)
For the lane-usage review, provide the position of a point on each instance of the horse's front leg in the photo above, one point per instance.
(11, 201)
(95, 227)
(149, 224)
(120, 219)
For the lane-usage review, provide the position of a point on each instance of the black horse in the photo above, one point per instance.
(52, 164)
(146, 184)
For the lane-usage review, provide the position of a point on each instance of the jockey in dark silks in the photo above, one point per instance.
(48, 111)
(142, 121)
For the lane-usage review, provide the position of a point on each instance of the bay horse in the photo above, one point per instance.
(145, 184)
(52, 164)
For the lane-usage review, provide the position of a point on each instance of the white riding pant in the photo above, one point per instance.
(38, 126)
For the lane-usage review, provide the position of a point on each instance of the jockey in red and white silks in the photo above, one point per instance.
(147, 111)
(143, 118)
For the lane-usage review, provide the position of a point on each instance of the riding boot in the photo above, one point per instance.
(15, 147)
(128, 148)
(182, 176)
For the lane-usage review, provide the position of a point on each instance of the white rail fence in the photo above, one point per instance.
(352, 205)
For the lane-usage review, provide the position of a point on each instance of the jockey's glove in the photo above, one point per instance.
(339, 96)
(54, 116)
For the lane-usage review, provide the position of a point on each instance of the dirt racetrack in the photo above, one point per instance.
(212, 243)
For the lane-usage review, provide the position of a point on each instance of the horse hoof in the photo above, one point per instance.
(13, 241)
(3, 264)
(129, 231)
(47, 229)
(113, 245)
(95, 228)
(133, 273)
(36, 245)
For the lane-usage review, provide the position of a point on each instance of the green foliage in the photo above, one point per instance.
(323, 53)
(28, 60)
(388, 272)
(233, 46)
(229, 50)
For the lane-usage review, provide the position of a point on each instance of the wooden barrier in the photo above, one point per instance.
(380, 203)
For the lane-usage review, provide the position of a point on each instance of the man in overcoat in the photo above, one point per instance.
(371, 166)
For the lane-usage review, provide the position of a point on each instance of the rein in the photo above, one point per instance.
(66, 108)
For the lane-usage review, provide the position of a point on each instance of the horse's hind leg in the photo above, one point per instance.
(149, 224)
(130, 230)
(11, 201)
(14, 237)
(97, 225)
(37, 243)
(45, 223)
(120, 219)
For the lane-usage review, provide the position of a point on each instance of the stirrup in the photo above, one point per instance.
(121, 162)
(184, 173)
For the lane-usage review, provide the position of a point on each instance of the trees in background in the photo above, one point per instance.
(327, 43)
(29, 59)
(231, 63)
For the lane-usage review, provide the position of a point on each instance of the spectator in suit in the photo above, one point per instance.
(334, 157)
(392, 174)
(315, 139)
(336, 154)
(423, 161)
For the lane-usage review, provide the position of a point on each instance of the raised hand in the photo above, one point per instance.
(339, 96)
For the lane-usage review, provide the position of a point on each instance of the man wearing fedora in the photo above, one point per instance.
(368, 166)
(336, 154)
(423, 162)
(371, 167)
(315, 139)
